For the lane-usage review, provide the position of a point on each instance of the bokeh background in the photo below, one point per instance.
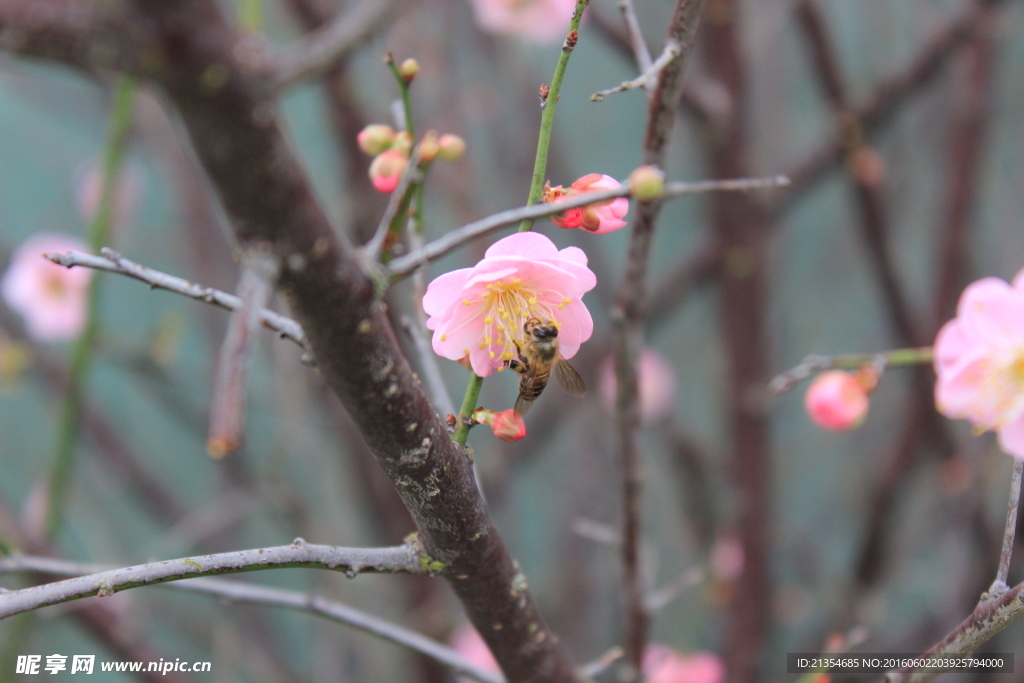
(908, 170)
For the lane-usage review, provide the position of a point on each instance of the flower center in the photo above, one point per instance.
(507, 306)
(1006, 386)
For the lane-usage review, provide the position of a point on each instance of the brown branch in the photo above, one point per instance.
(628, 319)
(889, 97)
(741, 231)
(333, 42)
(227, 405)
(237, 137)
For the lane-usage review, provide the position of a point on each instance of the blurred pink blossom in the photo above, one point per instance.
(87, 193)
(50, 298)
(727, 558)
(387, 168)
(979, 360)
(662, 664)
(468, 643)
(600, 218)
(836, 401)
(657, 382)
(539, 20)
(479, 312)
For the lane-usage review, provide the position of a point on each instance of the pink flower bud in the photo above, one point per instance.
(429, 147)
(451, 147)
(387, 169)
(508, 425)
(647, 183)
(408, 70)
(836, 401)
(468, 643)
(599, 218)
(375, 138)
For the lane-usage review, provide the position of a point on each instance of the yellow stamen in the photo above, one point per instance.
(444, 337)
(488, 320)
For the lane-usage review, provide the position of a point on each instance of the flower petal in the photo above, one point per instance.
(1011, 438)
(531, 245)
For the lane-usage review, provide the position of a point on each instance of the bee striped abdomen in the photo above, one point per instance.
(531, 387)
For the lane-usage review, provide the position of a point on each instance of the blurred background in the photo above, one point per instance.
(899, 124)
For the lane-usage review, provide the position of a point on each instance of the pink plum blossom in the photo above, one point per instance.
(979, 360)
(542, 21)
(662, 664)
(600, 218)
(479, 312)
(657, 382)
(51, 299)
(836, 401)
(468, 643)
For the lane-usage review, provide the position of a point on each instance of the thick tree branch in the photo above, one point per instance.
(989, 618)
(352, 561)
(237, 137)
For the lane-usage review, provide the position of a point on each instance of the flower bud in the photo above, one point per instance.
(408, 70)
(647, 183)
(387, 169)
(403, 142)
(508, 425)
(451, 147)
(836, 401)
(599, 218)
(375, 138)
(429, 147)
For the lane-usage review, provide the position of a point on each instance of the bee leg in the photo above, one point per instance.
(516, 365)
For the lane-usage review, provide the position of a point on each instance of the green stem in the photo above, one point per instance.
(250, 15)
(896, 357)
(403, 87)
(81, 354)
(547, 119)
(468, 406)
(540, 166)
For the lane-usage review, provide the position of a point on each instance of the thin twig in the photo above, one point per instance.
(113, 262)
(671, 52)
(352, 561)
(236, 591)
(405, 265)
(399, 198)
(636, 37)
(785, 381)
(659, 598)
(332, 44)
(227, 406)
(999, 586)
(601, 664)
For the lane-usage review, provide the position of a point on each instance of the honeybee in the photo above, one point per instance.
(537, 355)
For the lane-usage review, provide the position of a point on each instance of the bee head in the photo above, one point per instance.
(540, 329)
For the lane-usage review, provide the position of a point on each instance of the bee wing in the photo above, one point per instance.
(522, 405)
(570, 380)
